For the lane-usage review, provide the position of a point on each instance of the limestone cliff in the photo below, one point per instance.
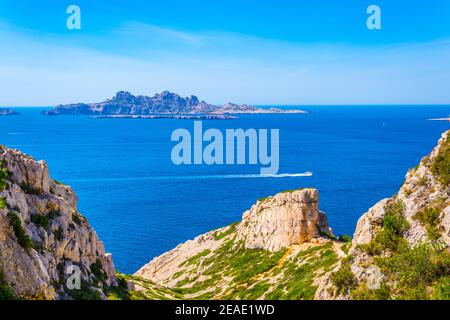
(283, 220)
(42, 234)
(400, 248)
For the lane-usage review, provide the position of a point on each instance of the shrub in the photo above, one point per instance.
(6, 292)
(3, 203)
(85, 292)
(119, 292)
(441, 164)
(29, 189)
(22, 237)
(345, 238)
(4, 175)
(408, 192)
(430, 218)
(195, 258)
(58, 233)
(228, 231)
(344, 280)
(417, 272)
(40, 220)
(391, 235)
(422, 181)
(76, 218)
(97, 270)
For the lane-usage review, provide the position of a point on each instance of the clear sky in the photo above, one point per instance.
(246, 51)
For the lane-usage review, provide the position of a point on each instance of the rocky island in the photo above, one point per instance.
(165, 104)
(7, 112)
(282, 249)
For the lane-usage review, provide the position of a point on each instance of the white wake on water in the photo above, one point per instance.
(213, 176)
(281, 175)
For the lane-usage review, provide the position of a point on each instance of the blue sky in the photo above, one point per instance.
(259, 52)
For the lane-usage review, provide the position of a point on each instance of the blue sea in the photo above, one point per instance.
(142, 205)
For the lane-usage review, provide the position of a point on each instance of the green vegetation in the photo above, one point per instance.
(227, 232)
(346, 247)
(248, 272)
(6, 292)
(345, 238)
(40, 220)
(413, 273)
(3, 203)
(22, 237)
(291, 190)
(120, 292)
(58, 233)
(422, 181)
(4, 176)
(408, 192)
(429, 217)
(77, 218)
(364, 293)
(440, 167)
(343, 279)
(297, 280)
(151, 291)
(421, 272)
(29, 189)
(390, 237)
(97, 270)
(44, 220)
(85, 292)
(195, 258)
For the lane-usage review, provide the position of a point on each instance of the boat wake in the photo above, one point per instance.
(197, 177)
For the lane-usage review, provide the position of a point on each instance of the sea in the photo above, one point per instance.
(141, 204)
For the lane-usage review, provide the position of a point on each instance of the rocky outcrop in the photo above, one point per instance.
(124, 103)
(44, 240)
(289, 218)
(418, 215)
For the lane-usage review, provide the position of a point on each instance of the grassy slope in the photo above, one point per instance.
(233, 272)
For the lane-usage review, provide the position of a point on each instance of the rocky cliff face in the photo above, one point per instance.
(280, 241)
(401, 245)
(42, 235)
(124, 103)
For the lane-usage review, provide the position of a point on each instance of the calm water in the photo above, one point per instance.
(142, 205)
